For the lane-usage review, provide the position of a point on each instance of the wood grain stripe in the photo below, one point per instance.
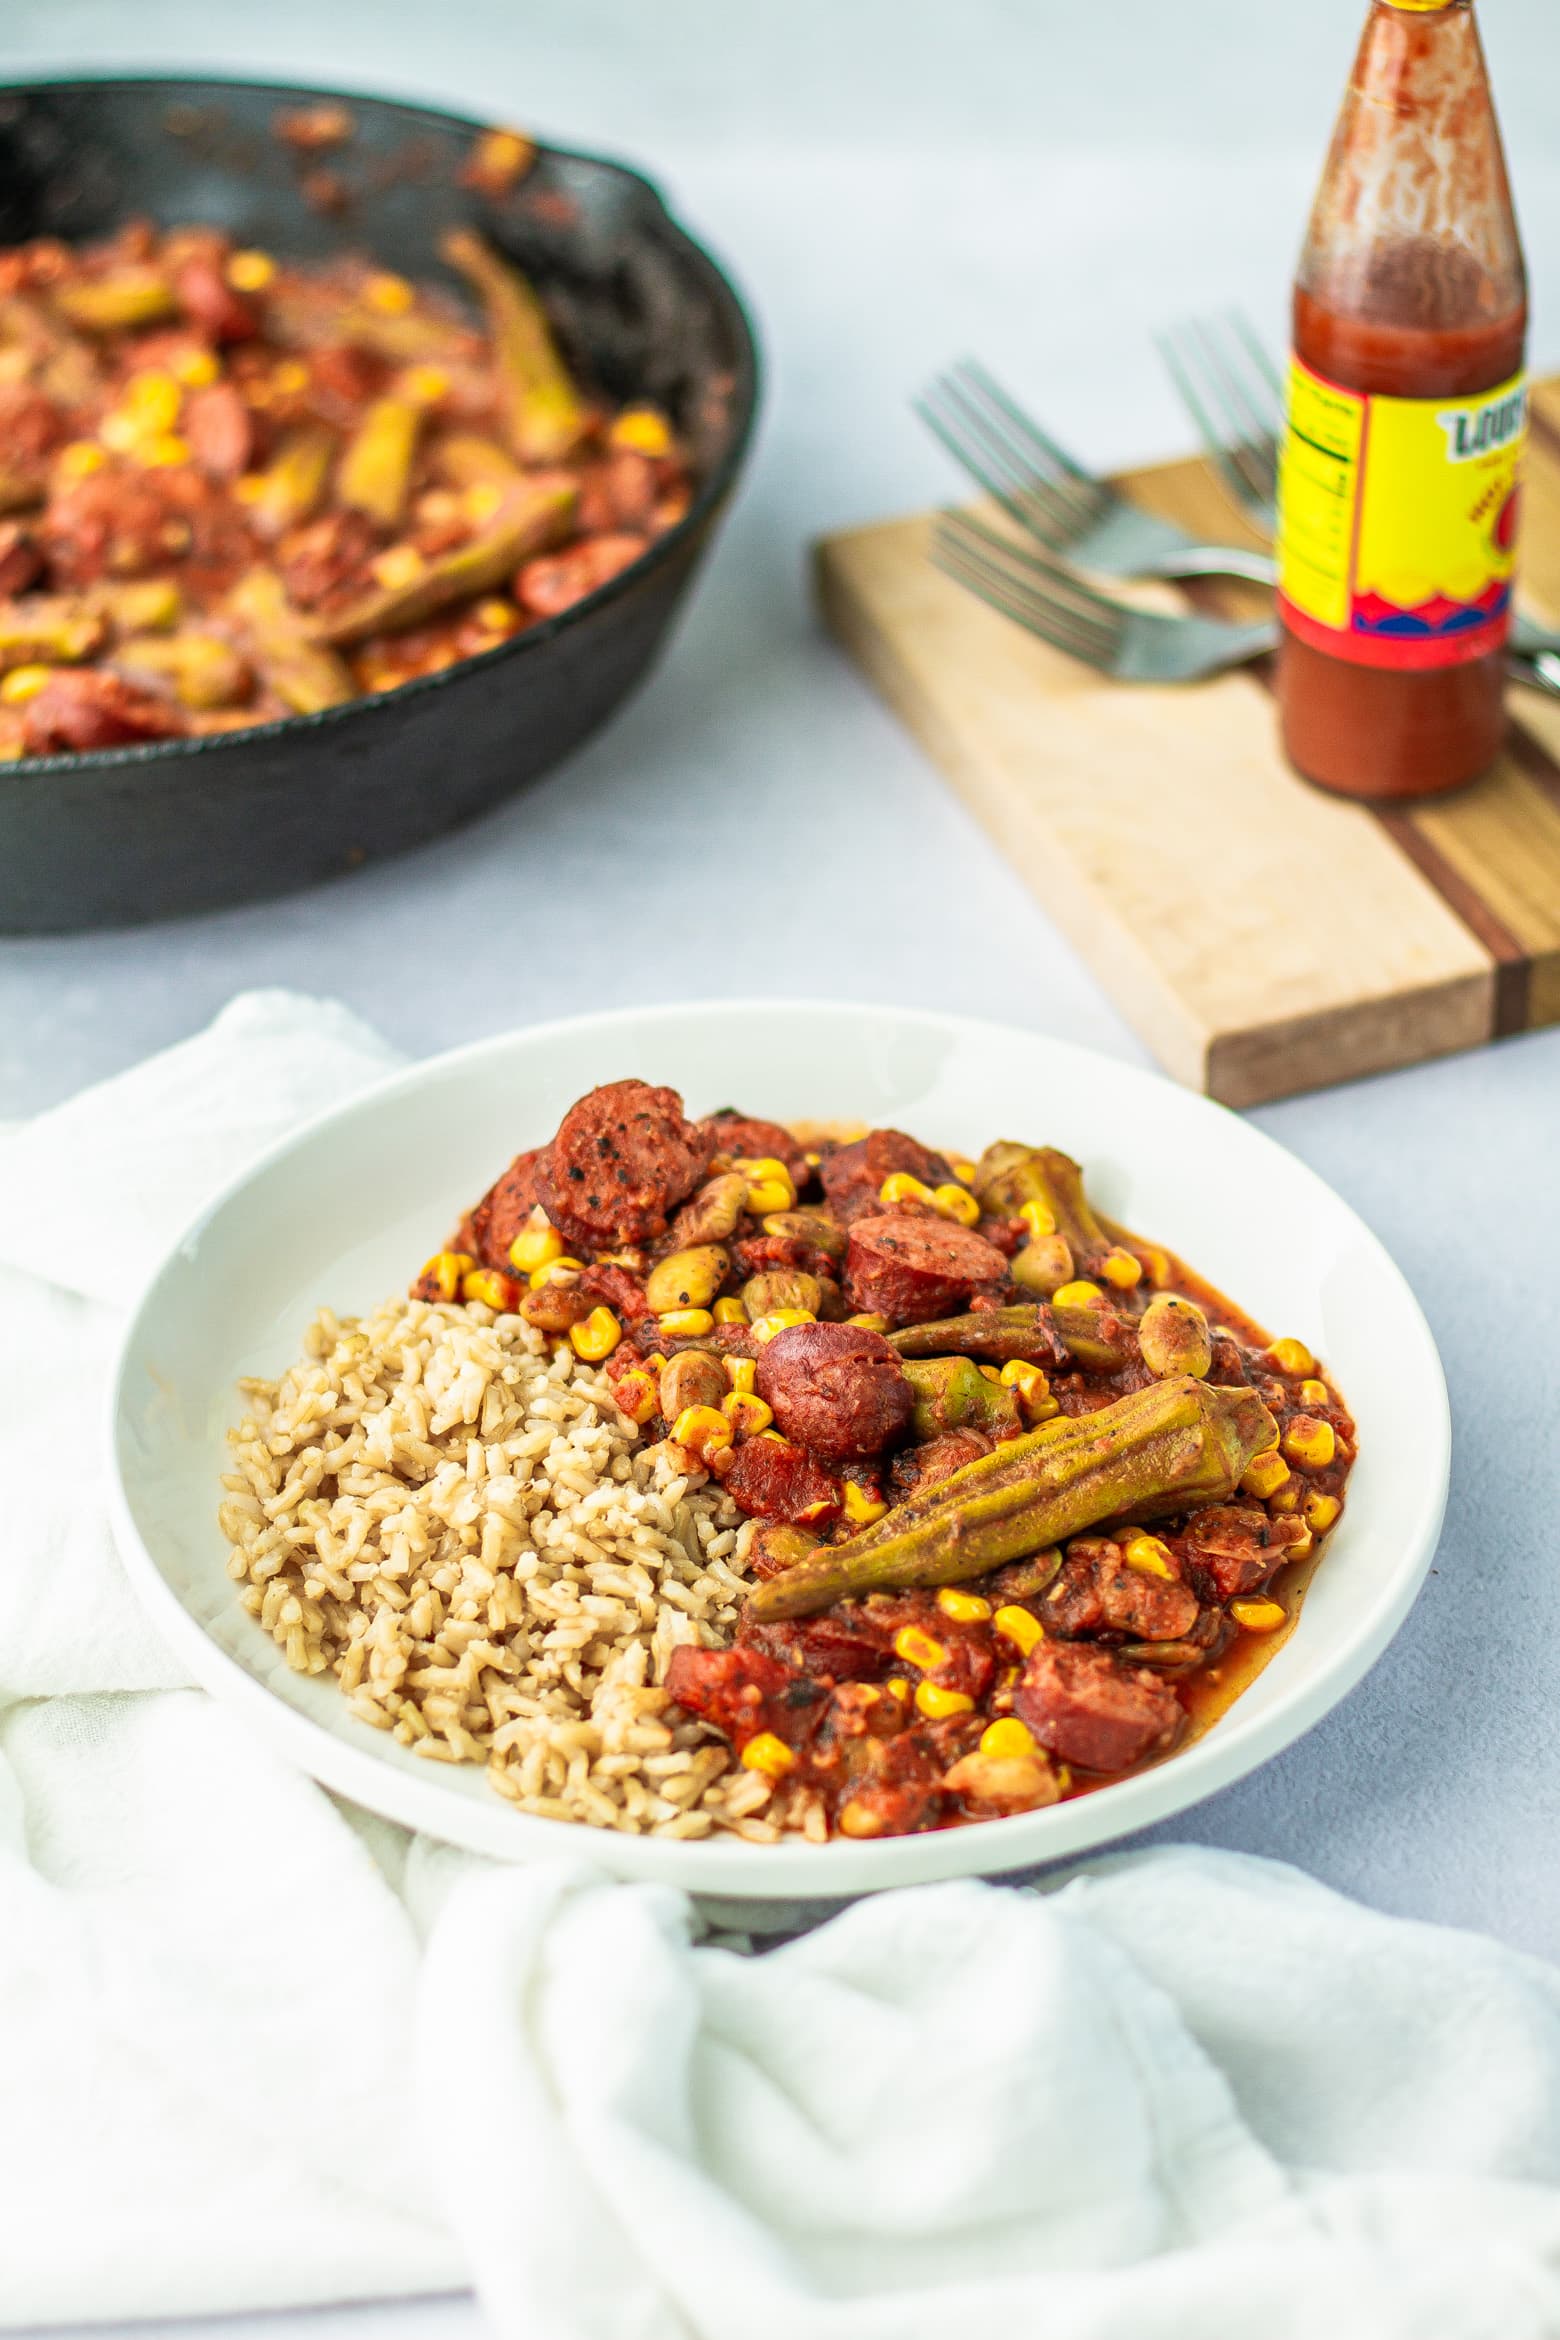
(1535, 760)
(1542, 429)
(1513, 966)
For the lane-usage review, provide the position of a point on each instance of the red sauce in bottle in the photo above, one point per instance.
(1411, 286)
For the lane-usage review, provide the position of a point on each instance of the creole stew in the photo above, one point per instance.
(1034, 1502)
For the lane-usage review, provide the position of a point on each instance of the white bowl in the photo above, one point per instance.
(346, 1211)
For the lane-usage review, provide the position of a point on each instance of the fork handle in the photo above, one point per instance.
(1216, 560)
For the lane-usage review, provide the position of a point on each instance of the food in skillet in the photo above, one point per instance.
(977, 1502)
(234, 488)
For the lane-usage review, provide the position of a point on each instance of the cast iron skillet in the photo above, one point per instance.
(137, 833)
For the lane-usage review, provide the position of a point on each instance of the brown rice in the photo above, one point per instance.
(462, 1528)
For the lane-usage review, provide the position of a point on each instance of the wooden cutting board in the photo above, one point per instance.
(1262, 936)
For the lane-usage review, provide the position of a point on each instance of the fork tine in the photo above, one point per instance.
(1091, 632)
(1058, 509)
(1262, 368)
(1245, 400)
(1040, 573)
(1035, 618)
(1028, 431)
(1021, 497)
(1197, 378)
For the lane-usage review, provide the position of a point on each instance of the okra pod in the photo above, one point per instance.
(375, 471)
(952, 1393)
(305, 676)
(1162, 1450)
(546, 416)
(533, 515)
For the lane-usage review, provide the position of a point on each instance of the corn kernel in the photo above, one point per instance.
(871, 1323)
(901, 1187)
(686, 1323)
(655, 1362)
(197, 369)
(740, 1372)
(597, 1337)
(1310, 1443)
(79, 458)
(858, 1819)
(424, 385)
(643, 429)
(637, 1395)
(1259, 1616)
(919, 1649)
(250, 271)
(731, 1311)
(860, 1508)
(1007, 1738)
(497, 617)
(482, 501)
(746, 1412)
(1034, 1390)
(163, 451)
(499, 157)
(1081, 1294)
(291, 376)
(1320, 1511)
(964, 1608)
(1292, 1357)
(1020, 1626)
(24, 683)
(536, 1245)
(770, 1186)
(1157, 1267)
(937, 1704)
(119, 430)
(401, 564)
(1038, 1218)
(391, 295)
(1149, 1557)
(898, 1687)
(767, 1754)
(964, 1172)
(1265, 1474)
(991, 1373)
(149, 607)
(154, 398)
(764, 1328)
(562, 1270)
(445, 1270)
(1314, 1394)
(1287, 1498)
(702, 1430)
(494, 1289)
(1120, 1268)
(957, 1203)
(826, 1505)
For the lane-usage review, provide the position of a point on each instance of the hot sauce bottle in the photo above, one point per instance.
(1398, 493)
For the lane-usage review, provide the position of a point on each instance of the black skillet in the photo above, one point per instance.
(138, 833)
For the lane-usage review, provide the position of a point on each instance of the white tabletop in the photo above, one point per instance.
(896, 183)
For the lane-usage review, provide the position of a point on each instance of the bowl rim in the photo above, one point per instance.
(787, 1873)
(712, 492)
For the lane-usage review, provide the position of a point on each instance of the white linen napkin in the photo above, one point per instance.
(258, 2049)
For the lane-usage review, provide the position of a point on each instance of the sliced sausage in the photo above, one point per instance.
(922, 1466)
(1097, 1592)
(624, 1157)
(744, 1139)
(556, 581)
(853, 1175)
(835, 1388)
(504, 1210)
(735, 1689)
(780, 1481)
(915, 1269)
(76, 712)
(21, 563)
(220, 430)
(1087, 1707)
(211, 304)
(621, 1291)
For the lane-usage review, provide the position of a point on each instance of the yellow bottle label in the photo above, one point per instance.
(1397, 521)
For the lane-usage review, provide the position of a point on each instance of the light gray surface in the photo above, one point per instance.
(895, 184)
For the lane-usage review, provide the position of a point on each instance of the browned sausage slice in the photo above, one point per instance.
(623, 1158)
(504, 1210)
(779, 1481)
(853, 1175)
(837, 1389)
(916, 1269)
(748, 1140)
(1087, 1707)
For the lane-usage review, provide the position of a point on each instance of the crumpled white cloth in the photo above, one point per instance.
(258, 2049)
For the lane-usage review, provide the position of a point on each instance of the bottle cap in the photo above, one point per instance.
(1421, 7)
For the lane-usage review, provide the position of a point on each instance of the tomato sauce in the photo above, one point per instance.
(1411, 287)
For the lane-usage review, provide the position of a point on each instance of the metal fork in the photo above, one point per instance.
(1071, 512)
(1132, 645)
(1232, 391)
(1044, 595)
